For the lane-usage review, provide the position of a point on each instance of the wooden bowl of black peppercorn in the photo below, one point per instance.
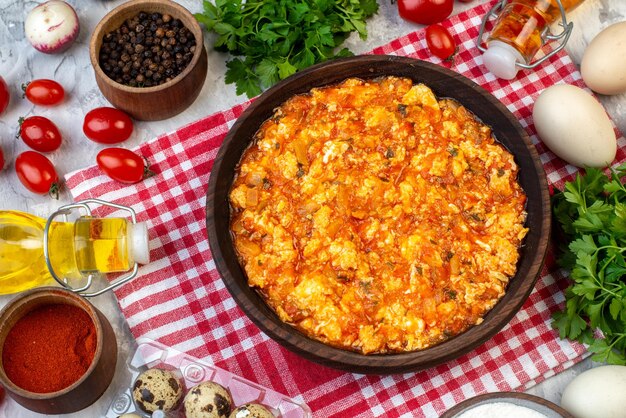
(149, 58)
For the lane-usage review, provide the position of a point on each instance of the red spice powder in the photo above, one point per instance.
(49, 348)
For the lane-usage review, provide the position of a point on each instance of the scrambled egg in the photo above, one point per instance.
(376, 218)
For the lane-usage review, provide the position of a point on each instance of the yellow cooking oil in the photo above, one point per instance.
(76, 248)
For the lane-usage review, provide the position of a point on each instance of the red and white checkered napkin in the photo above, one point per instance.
(180, 300)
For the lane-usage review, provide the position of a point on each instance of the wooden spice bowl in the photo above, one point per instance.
(88, 388)
(156, 102)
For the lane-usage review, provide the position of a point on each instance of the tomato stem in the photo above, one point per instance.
(147, 173)
(54, 190)
(24, 86)
(450, 59)
(20, 121)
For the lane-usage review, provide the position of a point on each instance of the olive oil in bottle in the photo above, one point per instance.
(88, 245)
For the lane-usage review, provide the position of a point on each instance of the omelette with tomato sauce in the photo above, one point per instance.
(377, 218)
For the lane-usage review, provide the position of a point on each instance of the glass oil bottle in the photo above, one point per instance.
(521, 29)
(34, 251)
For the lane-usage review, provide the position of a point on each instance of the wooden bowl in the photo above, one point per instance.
(444, 83)
(535, 403)
(96, 379)
(157, 102)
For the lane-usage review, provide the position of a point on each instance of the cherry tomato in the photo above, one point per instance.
(1, 159)
(4, 95)
(37, 173)
(40, 133)
(44, 92)
(123, 165)
(107, 125)
(425, 12)
(466, 1)
(440, 42)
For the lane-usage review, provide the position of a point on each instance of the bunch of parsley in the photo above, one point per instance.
(591, 211)
(272, 39)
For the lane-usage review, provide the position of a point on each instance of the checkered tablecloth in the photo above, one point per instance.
(180, 300)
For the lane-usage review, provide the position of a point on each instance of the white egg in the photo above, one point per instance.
(597, 393)
(603, 66)
(574, 125)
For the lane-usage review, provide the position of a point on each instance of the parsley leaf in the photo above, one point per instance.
(591, 212)
(272, 39)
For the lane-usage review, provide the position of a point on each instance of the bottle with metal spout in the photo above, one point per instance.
(35, 251)
(520, 30)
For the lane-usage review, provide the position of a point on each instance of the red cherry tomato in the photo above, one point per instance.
(1, 159)
(107, 125)
(466, 1)
(40, 133)
(440, 42)
(44, 92)
(4, 95)
(123, 165)
(425, 12)
(37, 173)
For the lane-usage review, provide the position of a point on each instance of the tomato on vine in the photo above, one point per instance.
(425, 12)
(440, 41)
(44, 92)
(123, 165)
(37, 173)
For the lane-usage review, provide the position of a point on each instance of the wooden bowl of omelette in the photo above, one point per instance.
(378, 214)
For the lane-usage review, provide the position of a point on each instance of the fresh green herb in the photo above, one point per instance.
(591, 211)
(272, 39)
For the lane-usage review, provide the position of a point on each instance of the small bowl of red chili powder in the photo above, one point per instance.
(58, 352)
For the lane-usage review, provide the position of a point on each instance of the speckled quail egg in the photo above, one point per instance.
(251, 410)
(157, 389)
(208, 400)
(130, 416)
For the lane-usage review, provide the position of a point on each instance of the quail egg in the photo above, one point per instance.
(157, 389)
(208, 400)
(130, 416)
(251, 410)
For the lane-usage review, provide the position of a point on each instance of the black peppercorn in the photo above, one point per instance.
(147, 50)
